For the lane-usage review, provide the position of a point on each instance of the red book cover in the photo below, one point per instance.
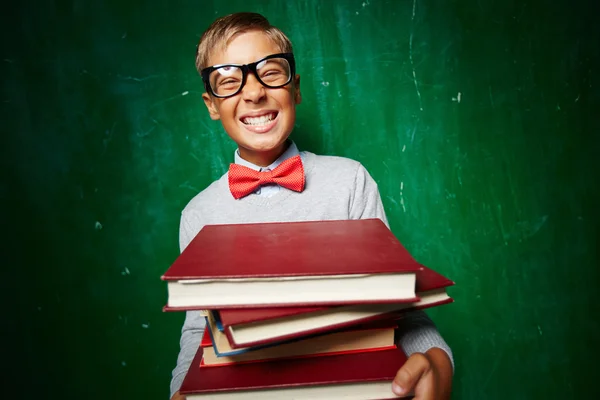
(356, 368)
(311, 331)
(206, 340)
(375, 336)
(427, 280)
(292, 249)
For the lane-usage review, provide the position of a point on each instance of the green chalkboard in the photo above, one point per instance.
(478, 119)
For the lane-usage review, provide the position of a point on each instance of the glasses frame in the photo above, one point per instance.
(246, 68)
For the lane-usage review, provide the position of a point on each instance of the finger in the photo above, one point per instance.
(426, 387)
(410, 373)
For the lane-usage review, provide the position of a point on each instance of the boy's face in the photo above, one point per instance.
(259, 141)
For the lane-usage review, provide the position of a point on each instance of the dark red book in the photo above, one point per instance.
(291, 264)
(363, 375)
(258, 326)
(376, 336)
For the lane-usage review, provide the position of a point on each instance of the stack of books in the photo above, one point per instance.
(303, 310)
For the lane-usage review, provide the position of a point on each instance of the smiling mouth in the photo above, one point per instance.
(259, 121)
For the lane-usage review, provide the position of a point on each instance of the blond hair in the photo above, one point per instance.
(220, 33)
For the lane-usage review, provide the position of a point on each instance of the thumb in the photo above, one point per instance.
(410, 373)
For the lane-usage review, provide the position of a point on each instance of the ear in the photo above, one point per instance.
(213, 111)
(297, 93)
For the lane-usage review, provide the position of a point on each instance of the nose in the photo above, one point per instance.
(253, 91)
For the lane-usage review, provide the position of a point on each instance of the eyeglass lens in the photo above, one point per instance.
(227, 80)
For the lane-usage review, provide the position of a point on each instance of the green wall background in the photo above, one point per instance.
(478, 119)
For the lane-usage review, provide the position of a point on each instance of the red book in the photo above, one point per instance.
(291, 264)
(258, 326)
(348, 376)
(369, 337)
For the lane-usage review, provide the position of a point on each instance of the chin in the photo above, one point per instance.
(265, 146)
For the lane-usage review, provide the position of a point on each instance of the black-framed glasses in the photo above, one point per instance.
(226, 80)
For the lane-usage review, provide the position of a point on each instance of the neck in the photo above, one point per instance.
(264, 159)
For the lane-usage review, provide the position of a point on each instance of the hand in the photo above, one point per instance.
(428, 376)
(177, 396)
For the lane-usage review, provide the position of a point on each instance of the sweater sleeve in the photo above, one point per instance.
(191, 335)
(416, 332)
(193, 327)
(366, 201)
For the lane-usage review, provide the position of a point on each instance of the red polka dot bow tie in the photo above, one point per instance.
(244, 180)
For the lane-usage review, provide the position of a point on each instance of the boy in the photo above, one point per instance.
(248, 71)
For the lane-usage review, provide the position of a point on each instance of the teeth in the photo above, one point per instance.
(262, 120)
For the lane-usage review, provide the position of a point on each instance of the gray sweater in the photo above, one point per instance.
(336, 188)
